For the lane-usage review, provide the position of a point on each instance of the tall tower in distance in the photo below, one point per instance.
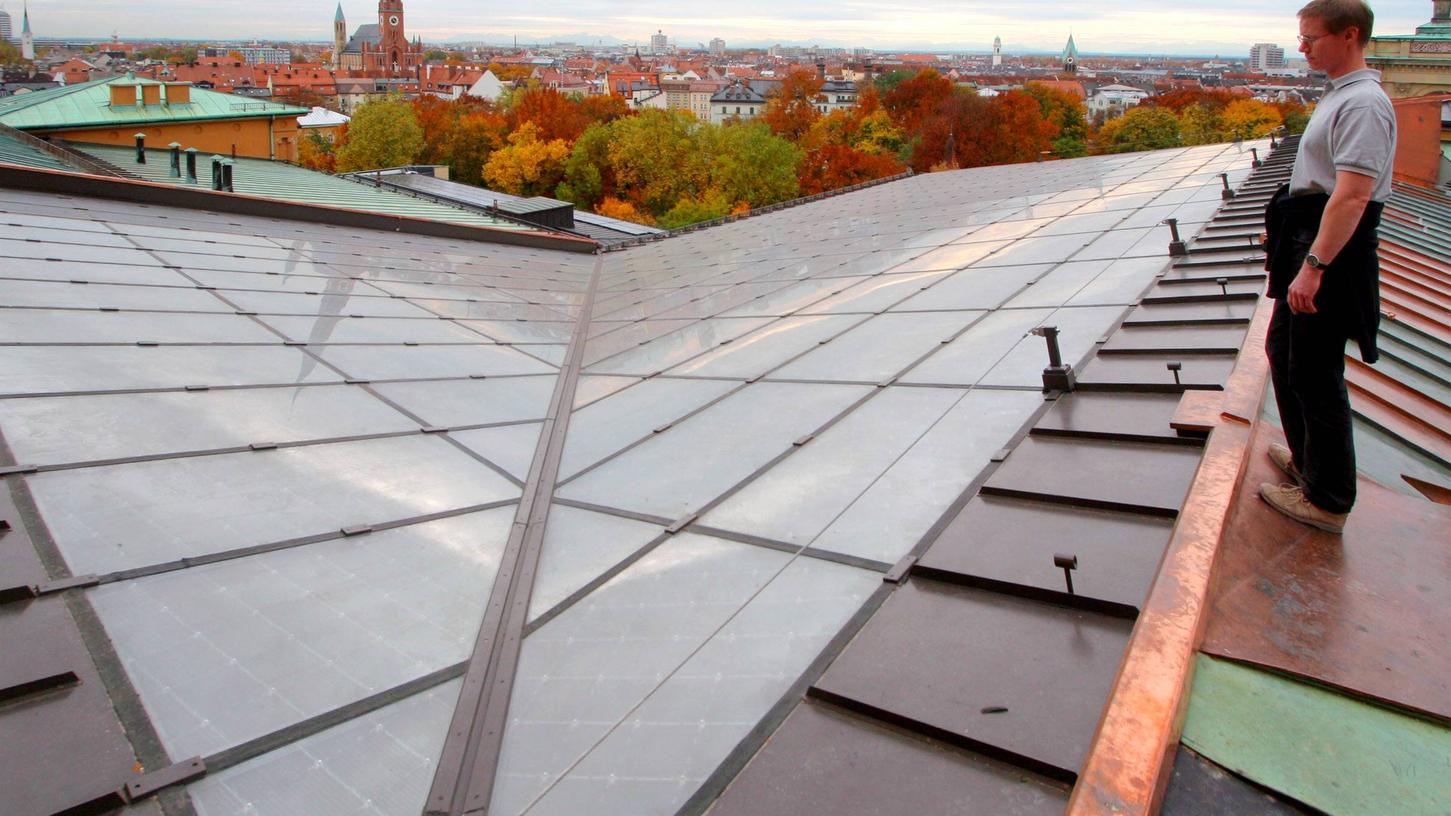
(340, 37)
(27, 41)
(5, 30)
(392, 41)
(997, 52)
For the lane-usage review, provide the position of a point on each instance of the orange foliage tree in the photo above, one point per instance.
(837, 165)
(792, 110)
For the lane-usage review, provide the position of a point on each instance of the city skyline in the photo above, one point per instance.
(1113, 26)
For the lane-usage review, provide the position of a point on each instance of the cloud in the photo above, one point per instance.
(1173, 26)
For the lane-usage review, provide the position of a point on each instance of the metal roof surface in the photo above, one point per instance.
(289, 182)
(460, 523)
(89, 105)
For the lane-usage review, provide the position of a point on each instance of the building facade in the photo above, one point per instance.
(1266, 57)
(1416, 64)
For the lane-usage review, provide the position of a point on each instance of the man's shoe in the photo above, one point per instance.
(1290, 500)
(1285, 461)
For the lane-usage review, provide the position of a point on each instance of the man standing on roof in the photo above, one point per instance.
(1321, 256)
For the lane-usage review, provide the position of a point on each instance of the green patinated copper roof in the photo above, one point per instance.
(89, 105)
(12, 151)
(1323, 748)
(288, 182)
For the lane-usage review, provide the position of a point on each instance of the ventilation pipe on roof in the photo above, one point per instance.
(191, 165)
(1176, 244)
(175, 159)
(1225, 194)
(141, 148)
(227, 166)
(217, 172)
(1057, 376)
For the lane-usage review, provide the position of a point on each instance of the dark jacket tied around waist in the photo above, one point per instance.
(1349, 286)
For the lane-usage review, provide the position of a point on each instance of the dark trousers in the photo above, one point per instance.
(1307, 366)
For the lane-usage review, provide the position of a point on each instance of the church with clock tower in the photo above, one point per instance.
(383, 48)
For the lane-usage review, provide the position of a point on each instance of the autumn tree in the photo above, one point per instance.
(749, 165)
(834, 166)
(588, 176)
(474, 139)
(314, 152)
(912, 101)
(382, 133)
(1067, 113)
(1201, 124)
(528, 165)
(1142, 128)
(656, 159)
(792, 108)
(1250, 119)
(1295, 115)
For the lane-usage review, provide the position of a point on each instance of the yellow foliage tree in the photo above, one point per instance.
(1250, 119)
(612, 207)
(527, 165)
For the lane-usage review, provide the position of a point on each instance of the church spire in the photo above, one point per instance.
(338, 16)
(27, 41)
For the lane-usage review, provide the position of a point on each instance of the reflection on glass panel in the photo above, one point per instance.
(408, 362)
(1078, 329)
(510, 447)
(55, 294)
(879, 348)
(224, 653)
(333, 305)
(58, 326)
(584, 671)
(1055, 288)
(122, 516)
(663, 750)
(579, 546)
(679, 470)
(791, 298)
(1036, 250)
(600, 429)
(965, 360)
(380, 763)
(51, 430)
(797, 499)
(1122, 282)
(952, 256)
(882, 525)
(325, 329)
(589, 388)
(522, 331)
(768, 347)
(473, 402)
(975, 288)
(49, 369)
(675, 347)
(875, 294)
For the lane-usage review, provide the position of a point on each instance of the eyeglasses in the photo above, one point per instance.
(1309, 41)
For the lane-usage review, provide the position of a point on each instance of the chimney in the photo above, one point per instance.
(151, 94)
(821, 70)
(141, 148)
(122, 95)
(178, 93)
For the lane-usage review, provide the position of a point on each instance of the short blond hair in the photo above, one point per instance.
(1339, 15)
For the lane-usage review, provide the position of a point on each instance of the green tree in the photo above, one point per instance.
(588, 177)
(382, 133)
(656, 159)
(694, 210)
(1142, 128)
(435, 55)
(750, 165)
(9, 54)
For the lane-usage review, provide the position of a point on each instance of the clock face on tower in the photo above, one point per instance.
(393, 19)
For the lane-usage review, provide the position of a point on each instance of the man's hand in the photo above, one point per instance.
(1303, 290)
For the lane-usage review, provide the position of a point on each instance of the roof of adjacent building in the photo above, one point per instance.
(289, 182)
(765, 517)
(367, 33)
(89, 105)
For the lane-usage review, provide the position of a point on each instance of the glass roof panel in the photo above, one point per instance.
(511, 447)
(55, 430)
(579, 547)
(121, 516)
(663, 352)
(606, 426)
(797, 499)
(473, 402)
(452, 360)
(879, 348)
(974, 288)
(331, 329)
(583, 672)
(883, 524)
(49, 369)
(379, 763)
(662, 751)
(224, 653)
(65, 326)
(678, 470)
(876, 294)
(66, 295)
(965, 360)
(765, 348)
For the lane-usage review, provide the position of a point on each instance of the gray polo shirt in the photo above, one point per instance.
(1353, 128)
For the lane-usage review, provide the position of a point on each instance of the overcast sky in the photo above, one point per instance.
(1124, 26)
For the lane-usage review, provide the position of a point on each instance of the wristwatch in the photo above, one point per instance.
(1313, 261)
